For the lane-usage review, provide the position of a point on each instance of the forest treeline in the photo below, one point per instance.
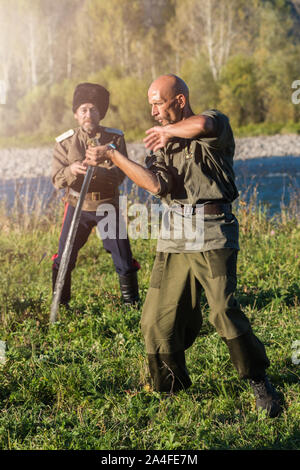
(240, 56)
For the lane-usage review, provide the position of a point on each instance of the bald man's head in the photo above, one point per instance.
(170, 85)
(169, 97)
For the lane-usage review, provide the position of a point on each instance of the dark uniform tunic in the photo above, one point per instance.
(196, 173)
(71, 147)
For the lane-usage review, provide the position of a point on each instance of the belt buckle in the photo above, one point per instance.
(95, 196)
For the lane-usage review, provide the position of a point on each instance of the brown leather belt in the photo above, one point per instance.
(92, 196)
(217, 208)
(207, 209)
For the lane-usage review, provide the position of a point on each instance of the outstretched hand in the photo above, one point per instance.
(157, 137)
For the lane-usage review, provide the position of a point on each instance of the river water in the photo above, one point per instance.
(276, 181)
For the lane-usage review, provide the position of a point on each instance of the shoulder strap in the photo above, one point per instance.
(65, 135)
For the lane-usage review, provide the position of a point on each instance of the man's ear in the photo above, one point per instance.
(181, 99)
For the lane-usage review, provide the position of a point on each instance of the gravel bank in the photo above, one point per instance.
(34, 162)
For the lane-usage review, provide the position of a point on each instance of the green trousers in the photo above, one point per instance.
(171, 318)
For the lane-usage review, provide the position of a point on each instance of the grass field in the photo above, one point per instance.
(80, 384)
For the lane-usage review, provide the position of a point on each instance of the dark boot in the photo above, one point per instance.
(66, 291)
(129, 288)
(266, 396)
(168, 372)
(248, 355)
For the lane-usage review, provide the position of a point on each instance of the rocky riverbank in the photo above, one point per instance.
(35, 162)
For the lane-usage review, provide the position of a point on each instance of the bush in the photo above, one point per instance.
(128, 102)
(204, 91)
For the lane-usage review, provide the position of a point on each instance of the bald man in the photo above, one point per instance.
(191, 171)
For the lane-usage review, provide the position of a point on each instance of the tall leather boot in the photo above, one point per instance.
(129, 287)
(66, 291)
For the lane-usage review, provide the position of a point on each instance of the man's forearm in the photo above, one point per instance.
(189, 128)
(61, 175)
(136, 172)
(197, 125)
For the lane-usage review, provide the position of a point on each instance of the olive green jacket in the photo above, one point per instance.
(197, 171)
(71, 147)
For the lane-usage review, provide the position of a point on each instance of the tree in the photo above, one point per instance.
(239, 95)
(275, 58)
(207, 26)
(108, 30)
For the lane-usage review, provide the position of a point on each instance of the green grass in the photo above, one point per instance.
(27, 141)
(267, 128)
(80, 383)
